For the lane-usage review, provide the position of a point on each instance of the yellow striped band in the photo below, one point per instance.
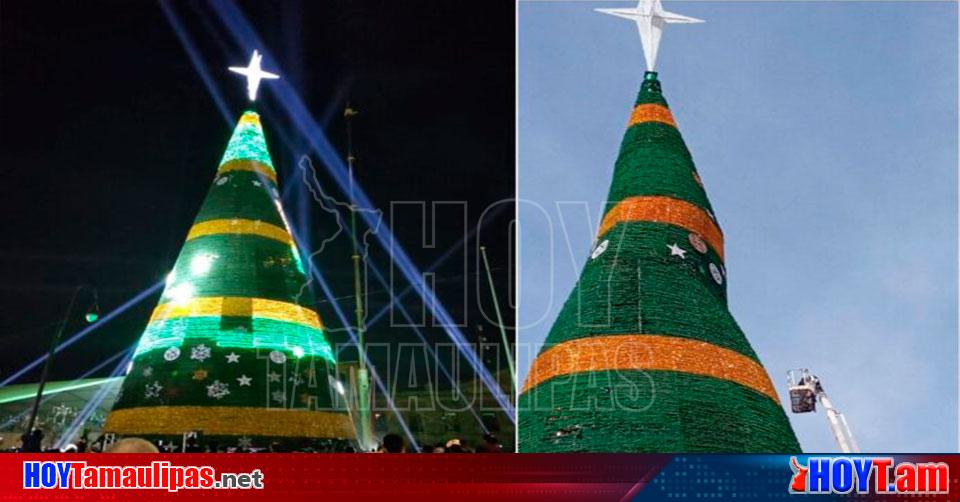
(236, 306)
(240, 226)
(649, 352)
(248, 165)
(651, 113)
(665, 210)
(252, 118)
(230, 421)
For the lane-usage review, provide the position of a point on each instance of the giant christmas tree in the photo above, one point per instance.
(644, 355)
(235, 347)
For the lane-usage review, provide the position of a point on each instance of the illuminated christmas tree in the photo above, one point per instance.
(645, 355)
(235, 347)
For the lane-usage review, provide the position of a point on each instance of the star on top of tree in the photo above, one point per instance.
(254, 74)
(651, 19)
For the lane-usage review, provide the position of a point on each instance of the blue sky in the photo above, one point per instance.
(826, 136)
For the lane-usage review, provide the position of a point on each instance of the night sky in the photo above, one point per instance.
(109, 141)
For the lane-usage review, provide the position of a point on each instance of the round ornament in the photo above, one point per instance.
(597, 251)
(715, 272)
(171, 354)
(278, 357)
(221, 180)
(697, 242)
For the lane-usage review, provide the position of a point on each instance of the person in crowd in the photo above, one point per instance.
(393, 443)
(132, 445)
(455, 446)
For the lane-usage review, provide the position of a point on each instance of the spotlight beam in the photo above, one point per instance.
(49, 396)
(196, 59)
(318, 276)
(95, 401)
(86, 331)
(433, 353)
(244, 35)
(214, 92)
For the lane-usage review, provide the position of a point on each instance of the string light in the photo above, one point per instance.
(202, 263)
(260, 333)
(248, 142)
(181, 294)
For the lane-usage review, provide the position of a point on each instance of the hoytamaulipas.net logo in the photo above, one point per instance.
(879, 475)
(159, 475)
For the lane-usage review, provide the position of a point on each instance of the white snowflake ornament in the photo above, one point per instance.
(152, 390)
(200, 352)
(217, 390)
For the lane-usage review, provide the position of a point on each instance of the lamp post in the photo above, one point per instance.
(53, 350)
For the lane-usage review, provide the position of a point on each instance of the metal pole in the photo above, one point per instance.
(363, 379)
(496, 307)
(49, 362)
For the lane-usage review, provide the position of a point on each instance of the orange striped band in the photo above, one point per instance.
(665, 210)
(248, 165)
(651, 113)
(240, 226)
(236, 306)
(653, 353)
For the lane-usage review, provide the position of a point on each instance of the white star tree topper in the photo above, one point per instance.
(254, 74)
(651, 19)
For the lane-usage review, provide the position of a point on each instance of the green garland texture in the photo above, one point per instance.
(637, 286)
(231, 359)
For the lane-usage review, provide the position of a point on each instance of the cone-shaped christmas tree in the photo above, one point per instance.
(644, 356)
(235, 347)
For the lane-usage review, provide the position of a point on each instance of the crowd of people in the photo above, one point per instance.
(390, 443)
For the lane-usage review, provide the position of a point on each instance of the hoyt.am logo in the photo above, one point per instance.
(879, 475)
